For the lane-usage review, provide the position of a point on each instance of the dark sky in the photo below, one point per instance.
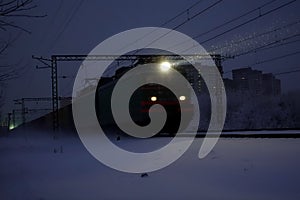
(76, 27)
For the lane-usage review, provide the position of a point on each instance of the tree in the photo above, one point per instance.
(9, 11)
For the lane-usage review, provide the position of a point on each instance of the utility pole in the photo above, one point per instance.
(14, 118)
(14, 113)
(54, 92)
(22, 103)
(9, 120)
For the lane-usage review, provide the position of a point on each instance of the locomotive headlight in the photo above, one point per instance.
(165, 66)
(154, 98)
(182, 98)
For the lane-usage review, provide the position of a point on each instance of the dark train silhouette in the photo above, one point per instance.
(141, 101)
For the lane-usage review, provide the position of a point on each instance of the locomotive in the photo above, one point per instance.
(142, 99)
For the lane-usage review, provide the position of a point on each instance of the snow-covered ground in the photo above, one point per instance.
(237, 168)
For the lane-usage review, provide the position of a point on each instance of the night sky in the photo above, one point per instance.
(76, 27)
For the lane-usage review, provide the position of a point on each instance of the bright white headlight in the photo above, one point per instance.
(165, 66)
(182, 98)
(154, 98)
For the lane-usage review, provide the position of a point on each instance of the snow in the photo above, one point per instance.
(237, 168)
(264, 132)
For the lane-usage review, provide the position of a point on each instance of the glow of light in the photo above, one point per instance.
(165, 66)
(154, 98)
(182, 98)
(11, 127)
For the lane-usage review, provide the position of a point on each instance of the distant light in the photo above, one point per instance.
(165, 66)
(154, 98)
(182, 98)
(11, 127)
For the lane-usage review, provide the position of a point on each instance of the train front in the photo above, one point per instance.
(147, 95)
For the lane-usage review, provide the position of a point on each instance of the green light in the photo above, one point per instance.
(11, 127)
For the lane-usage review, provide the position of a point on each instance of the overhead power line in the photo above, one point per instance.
(235, 19)
(250, 20)
(260, 15)
(66, 24)
(257, 35)
(174, 28)
(282, 44)
(275, 58)
(263, 47)
(272, 59)
(186, 21)
(287, 72)
(185, 11)
(228, 22)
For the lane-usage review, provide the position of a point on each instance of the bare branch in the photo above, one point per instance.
(24, 15)
(4, 48)
(3, 23)
(29, 8)
(8, 78)
(8, 3)
(8, 10)
(15, 7)
(4, 29)
(6, 66)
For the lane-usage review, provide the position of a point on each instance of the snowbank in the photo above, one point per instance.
(34, 166)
